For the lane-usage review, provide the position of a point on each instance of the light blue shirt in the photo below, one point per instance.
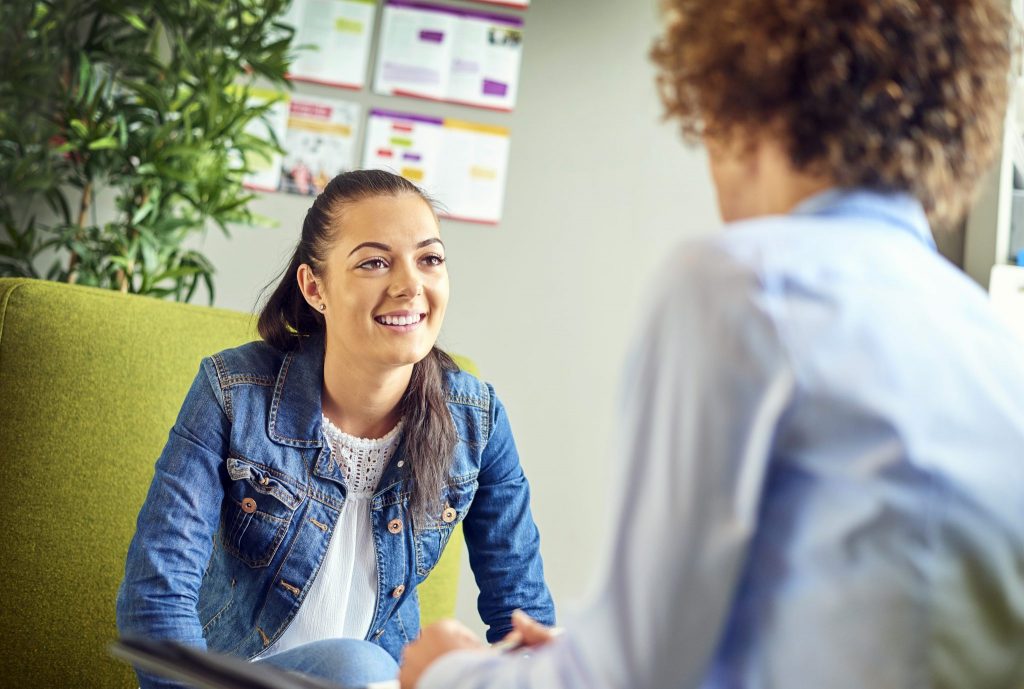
(822, 474)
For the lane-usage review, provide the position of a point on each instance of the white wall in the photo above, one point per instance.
(545, 303)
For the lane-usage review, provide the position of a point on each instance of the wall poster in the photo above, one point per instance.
(448, 54)
(319, 143)
(460, 164)
(339, 34)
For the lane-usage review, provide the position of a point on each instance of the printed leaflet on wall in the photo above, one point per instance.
(444, 53)
(265, 173)
(461, 164)
(338, 33)
(319, 143)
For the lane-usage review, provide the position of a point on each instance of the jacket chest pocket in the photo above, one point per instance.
(258, 509)
(432, 537)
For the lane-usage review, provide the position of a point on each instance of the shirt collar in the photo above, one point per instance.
(898, 209)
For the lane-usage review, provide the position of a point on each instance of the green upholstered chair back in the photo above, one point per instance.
(90, 383)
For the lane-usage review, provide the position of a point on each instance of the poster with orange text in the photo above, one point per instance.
(460, 164)
(319, 143)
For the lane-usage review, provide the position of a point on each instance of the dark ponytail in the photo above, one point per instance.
(287, 320)
(430, 435)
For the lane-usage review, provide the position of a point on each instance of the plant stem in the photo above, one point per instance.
(83, 208)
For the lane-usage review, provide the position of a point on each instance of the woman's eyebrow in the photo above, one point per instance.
(385, 247)
(372, 245)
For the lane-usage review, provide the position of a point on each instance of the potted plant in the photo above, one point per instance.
(144, 103)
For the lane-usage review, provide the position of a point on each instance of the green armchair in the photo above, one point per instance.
(90, 383)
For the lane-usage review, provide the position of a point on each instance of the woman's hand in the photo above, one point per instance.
(435, 641)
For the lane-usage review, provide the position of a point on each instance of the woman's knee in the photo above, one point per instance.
(350, 663)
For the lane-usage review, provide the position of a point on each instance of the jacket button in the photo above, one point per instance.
(398, 591)
(395, 526)
(449, 515)
(248, 505)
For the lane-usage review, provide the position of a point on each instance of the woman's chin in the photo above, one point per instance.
(405, 358)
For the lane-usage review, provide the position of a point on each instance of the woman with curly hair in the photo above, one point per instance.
(823, 482)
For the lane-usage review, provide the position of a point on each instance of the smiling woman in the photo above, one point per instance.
(316, 476)
(363, 287)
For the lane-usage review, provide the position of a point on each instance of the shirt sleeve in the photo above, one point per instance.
(172, 543)
(501, 536)
(705, 390)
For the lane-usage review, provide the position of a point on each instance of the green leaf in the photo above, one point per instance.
(176, 273)
(80, 128)
(122, 131)
(141, 214)
(133, 19)
(106, 142)
(149, 258)
(84, 73)
(208, 281)
(148, 94)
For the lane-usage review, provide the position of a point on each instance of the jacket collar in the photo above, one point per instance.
(296, 408)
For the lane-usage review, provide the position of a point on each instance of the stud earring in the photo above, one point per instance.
(323, 307)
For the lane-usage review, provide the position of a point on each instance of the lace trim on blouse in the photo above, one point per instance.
(362, 460)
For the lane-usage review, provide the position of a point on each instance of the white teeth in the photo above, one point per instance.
(400, 320)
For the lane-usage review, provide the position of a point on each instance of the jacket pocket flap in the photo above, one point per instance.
(263, 480)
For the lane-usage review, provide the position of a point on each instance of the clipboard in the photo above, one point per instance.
(209, 670)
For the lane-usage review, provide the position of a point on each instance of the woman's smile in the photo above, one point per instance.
(401, 321)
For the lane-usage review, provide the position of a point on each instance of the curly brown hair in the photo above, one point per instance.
(892, 95)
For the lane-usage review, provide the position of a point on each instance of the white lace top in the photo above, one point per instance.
(343, 595)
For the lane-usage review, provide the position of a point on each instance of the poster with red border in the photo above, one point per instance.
(335, 36)
(449, 54)
(319, 143)
(460, 164)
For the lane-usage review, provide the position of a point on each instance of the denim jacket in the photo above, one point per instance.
(207, 569)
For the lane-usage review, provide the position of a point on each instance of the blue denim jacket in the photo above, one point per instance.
(250, 428)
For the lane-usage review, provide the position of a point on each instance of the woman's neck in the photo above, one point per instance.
(360, 400)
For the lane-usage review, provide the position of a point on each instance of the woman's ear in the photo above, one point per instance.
(309, 285)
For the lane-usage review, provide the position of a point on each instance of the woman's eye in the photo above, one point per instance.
(433, 260)
(374, 264)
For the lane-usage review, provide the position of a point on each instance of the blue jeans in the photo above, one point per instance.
(349, 663)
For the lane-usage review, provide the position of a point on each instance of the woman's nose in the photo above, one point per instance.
(406, 283)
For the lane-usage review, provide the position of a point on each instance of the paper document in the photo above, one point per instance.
(337, 35)
(208, 670)
(460, 164)
(449, 54)
(319, 143)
